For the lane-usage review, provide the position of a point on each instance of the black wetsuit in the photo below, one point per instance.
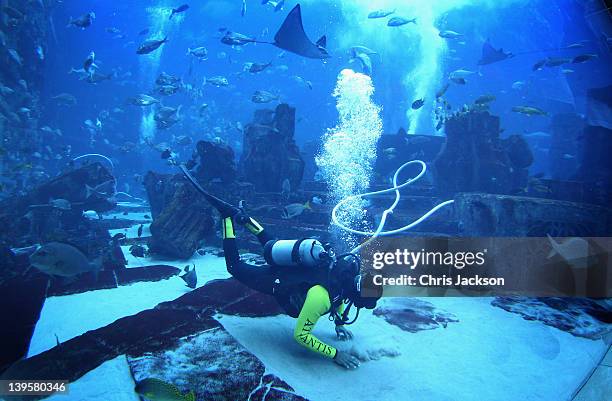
(260, 278)
(300, 291)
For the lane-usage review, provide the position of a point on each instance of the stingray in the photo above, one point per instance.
(292, 38)
(492, 55)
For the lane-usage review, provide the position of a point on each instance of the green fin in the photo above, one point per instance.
(190, 396)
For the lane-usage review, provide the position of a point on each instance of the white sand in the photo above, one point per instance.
(111, 381)
(72, 315)
(489, 355)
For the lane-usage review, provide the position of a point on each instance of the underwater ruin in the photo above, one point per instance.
(244, 200)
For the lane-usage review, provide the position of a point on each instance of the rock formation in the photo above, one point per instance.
(215, 161)
(33, 217)
(481, 214)
(474, 157)
(563, 155)
(309, 152)
(181, 217)
(596, 143)
(581, 317)
(270, 154)
(395, 150)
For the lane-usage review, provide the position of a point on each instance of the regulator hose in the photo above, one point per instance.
(380, 229)
(96, 155)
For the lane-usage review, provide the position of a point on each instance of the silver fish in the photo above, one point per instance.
(63, 260)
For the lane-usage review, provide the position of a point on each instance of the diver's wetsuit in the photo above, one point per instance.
(317, 301)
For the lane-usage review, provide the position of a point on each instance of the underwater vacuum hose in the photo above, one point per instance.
(96, 155)
(395, 188)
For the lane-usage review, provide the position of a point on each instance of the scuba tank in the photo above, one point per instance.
(307, 252)
(342, 272)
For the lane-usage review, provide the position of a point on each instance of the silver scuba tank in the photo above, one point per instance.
(307, 252)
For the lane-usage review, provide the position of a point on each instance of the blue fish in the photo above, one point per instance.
(178, 10)
(399, 21)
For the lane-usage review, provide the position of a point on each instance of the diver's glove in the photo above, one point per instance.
(237, 213)
(227, 210)
(343, 333)
(346, 360)
(240, 215)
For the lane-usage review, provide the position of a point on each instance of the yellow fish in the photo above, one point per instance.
(158, 390)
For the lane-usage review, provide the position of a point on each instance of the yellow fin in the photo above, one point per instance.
(191, 396)
(307, 205)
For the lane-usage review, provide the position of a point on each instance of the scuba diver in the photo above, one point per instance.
(305, 276)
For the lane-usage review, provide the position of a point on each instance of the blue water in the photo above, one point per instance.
(413, 62)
